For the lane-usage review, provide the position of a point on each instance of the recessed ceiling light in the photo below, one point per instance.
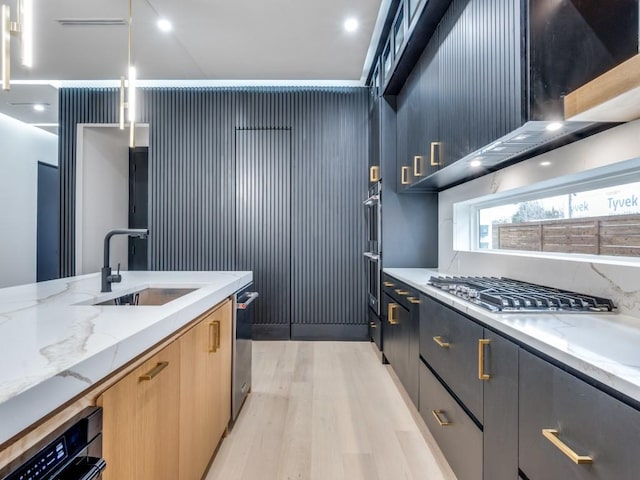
(553, 126)
(475, 163)
(351, 25)
(38, 107)
(545, 164)
(165, 25)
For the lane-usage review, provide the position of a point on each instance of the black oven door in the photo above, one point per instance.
(373, 281)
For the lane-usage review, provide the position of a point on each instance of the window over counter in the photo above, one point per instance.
(593, 214)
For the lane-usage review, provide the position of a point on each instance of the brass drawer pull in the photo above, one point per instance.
(388, 284)
(214, 336)
(399, 291)
(481, 344)
(393, 307)
(438, 414)
(441, 343)
(404, 180)
(418, 161)
(373, 325)
(552, 435)
(435, 146)
(374, 174)
(154, 371)
(413, 300)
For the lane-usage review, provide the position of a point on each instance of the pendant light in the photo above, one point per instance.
(128, 90)
(21, 28)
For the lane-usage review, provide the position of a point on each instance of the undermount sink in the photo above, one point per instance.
(147, 297)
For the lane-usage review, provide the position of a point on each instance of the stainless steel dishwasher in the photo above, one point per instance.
(242, 327)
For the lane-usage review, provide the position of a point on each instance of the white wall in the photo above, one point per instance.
(614, 281)
(102, 189)
(21, 147)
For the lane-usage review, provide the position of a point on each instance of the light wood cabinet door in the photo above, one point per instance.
(222, 369)
(141, 420)
(205, 394)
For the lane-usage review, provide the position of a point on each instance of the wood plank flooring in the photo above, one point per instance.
(326, 411)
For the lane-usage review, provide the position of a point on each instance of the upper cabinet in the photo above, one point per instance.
(488, 87)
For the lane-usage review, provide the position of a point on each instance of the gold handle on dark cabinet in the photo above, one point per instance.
(441, 343)
(374, 174)
(481, 344)
(154, 371)
(413, 300)
(552, 435)
(438, 414)
(404, 180)
(373, 325)
(399, 291)
(435, 154)
(418, 162)
(393, 307)
(388, 284)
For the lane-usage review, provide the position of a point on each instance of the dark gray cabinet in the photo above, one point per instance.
(401, 314)
(500, 435)
(504, 67)
(480, 369)
(457, 435)
(560, 414)
(449, 344)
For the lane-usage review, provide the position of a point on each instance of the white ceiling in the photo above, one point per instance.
(212, 40)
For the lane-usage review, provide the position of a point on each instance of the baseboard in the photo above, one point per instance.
(355, 333)
(271, 331)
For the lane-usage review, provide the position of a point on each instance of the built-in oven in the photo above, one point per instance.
(72, 452)
(373, 259)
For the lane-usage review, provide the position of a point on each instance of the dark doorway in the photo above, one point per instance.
(263, 225)
(47, 222)
(138, 205)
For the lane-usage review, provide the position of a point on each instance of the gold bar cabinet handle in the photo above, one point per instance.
(393, 307)
(435, 146)
(388, 284)
(552, 435)
(404, 180)
(438, 415)
(399, 291)
(374, 174)
(213, 336)
(373, 324)
(413, 300)
(154, 371)
(440, 342)
(417, 166)
(481, 344)
(217, 323)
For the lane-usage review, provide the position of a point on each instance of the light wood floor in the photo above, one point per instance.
(326, 411)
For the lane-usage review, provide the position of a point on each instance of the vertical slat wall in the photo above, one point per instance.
(192, 192)
(263, 224)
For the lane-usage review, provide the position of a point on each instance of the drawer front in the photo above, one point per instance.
(375, 329)
(395, 323)
(402, 293)
(588, 421)
(449, 343)
(460, 440)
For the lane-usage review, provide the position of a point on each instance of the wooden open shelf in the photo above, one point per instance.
(614, 96)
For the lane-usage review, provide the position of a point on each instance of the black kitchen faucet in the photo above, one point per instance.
(107, 277)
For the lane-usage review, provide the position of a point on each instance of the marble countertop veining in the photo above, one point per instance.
(54, 344)
(605, 347)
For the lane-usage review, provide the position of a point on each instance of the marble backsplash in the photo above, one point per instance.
(618, 282)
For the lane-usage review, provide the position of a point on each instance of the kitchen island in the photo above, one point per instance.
(55, 343)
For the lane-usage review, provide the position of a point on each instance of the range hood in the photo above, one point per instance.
(614, 96)
(532, 138)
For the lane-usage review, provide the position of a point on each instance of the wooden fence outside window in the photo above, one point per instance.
(618, 236)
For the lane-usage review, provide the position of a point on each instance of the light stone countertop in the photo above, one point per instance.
(54, 345)
(605, 347)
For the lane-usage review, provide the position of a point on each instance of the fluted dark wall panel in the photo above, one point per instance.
(192, 207)
(263, 219)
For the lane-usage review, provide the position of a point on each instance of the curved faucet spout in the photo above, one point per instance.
(107, 278)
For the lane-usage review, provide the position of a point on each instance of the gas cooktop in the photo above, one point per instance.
(508, 295)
